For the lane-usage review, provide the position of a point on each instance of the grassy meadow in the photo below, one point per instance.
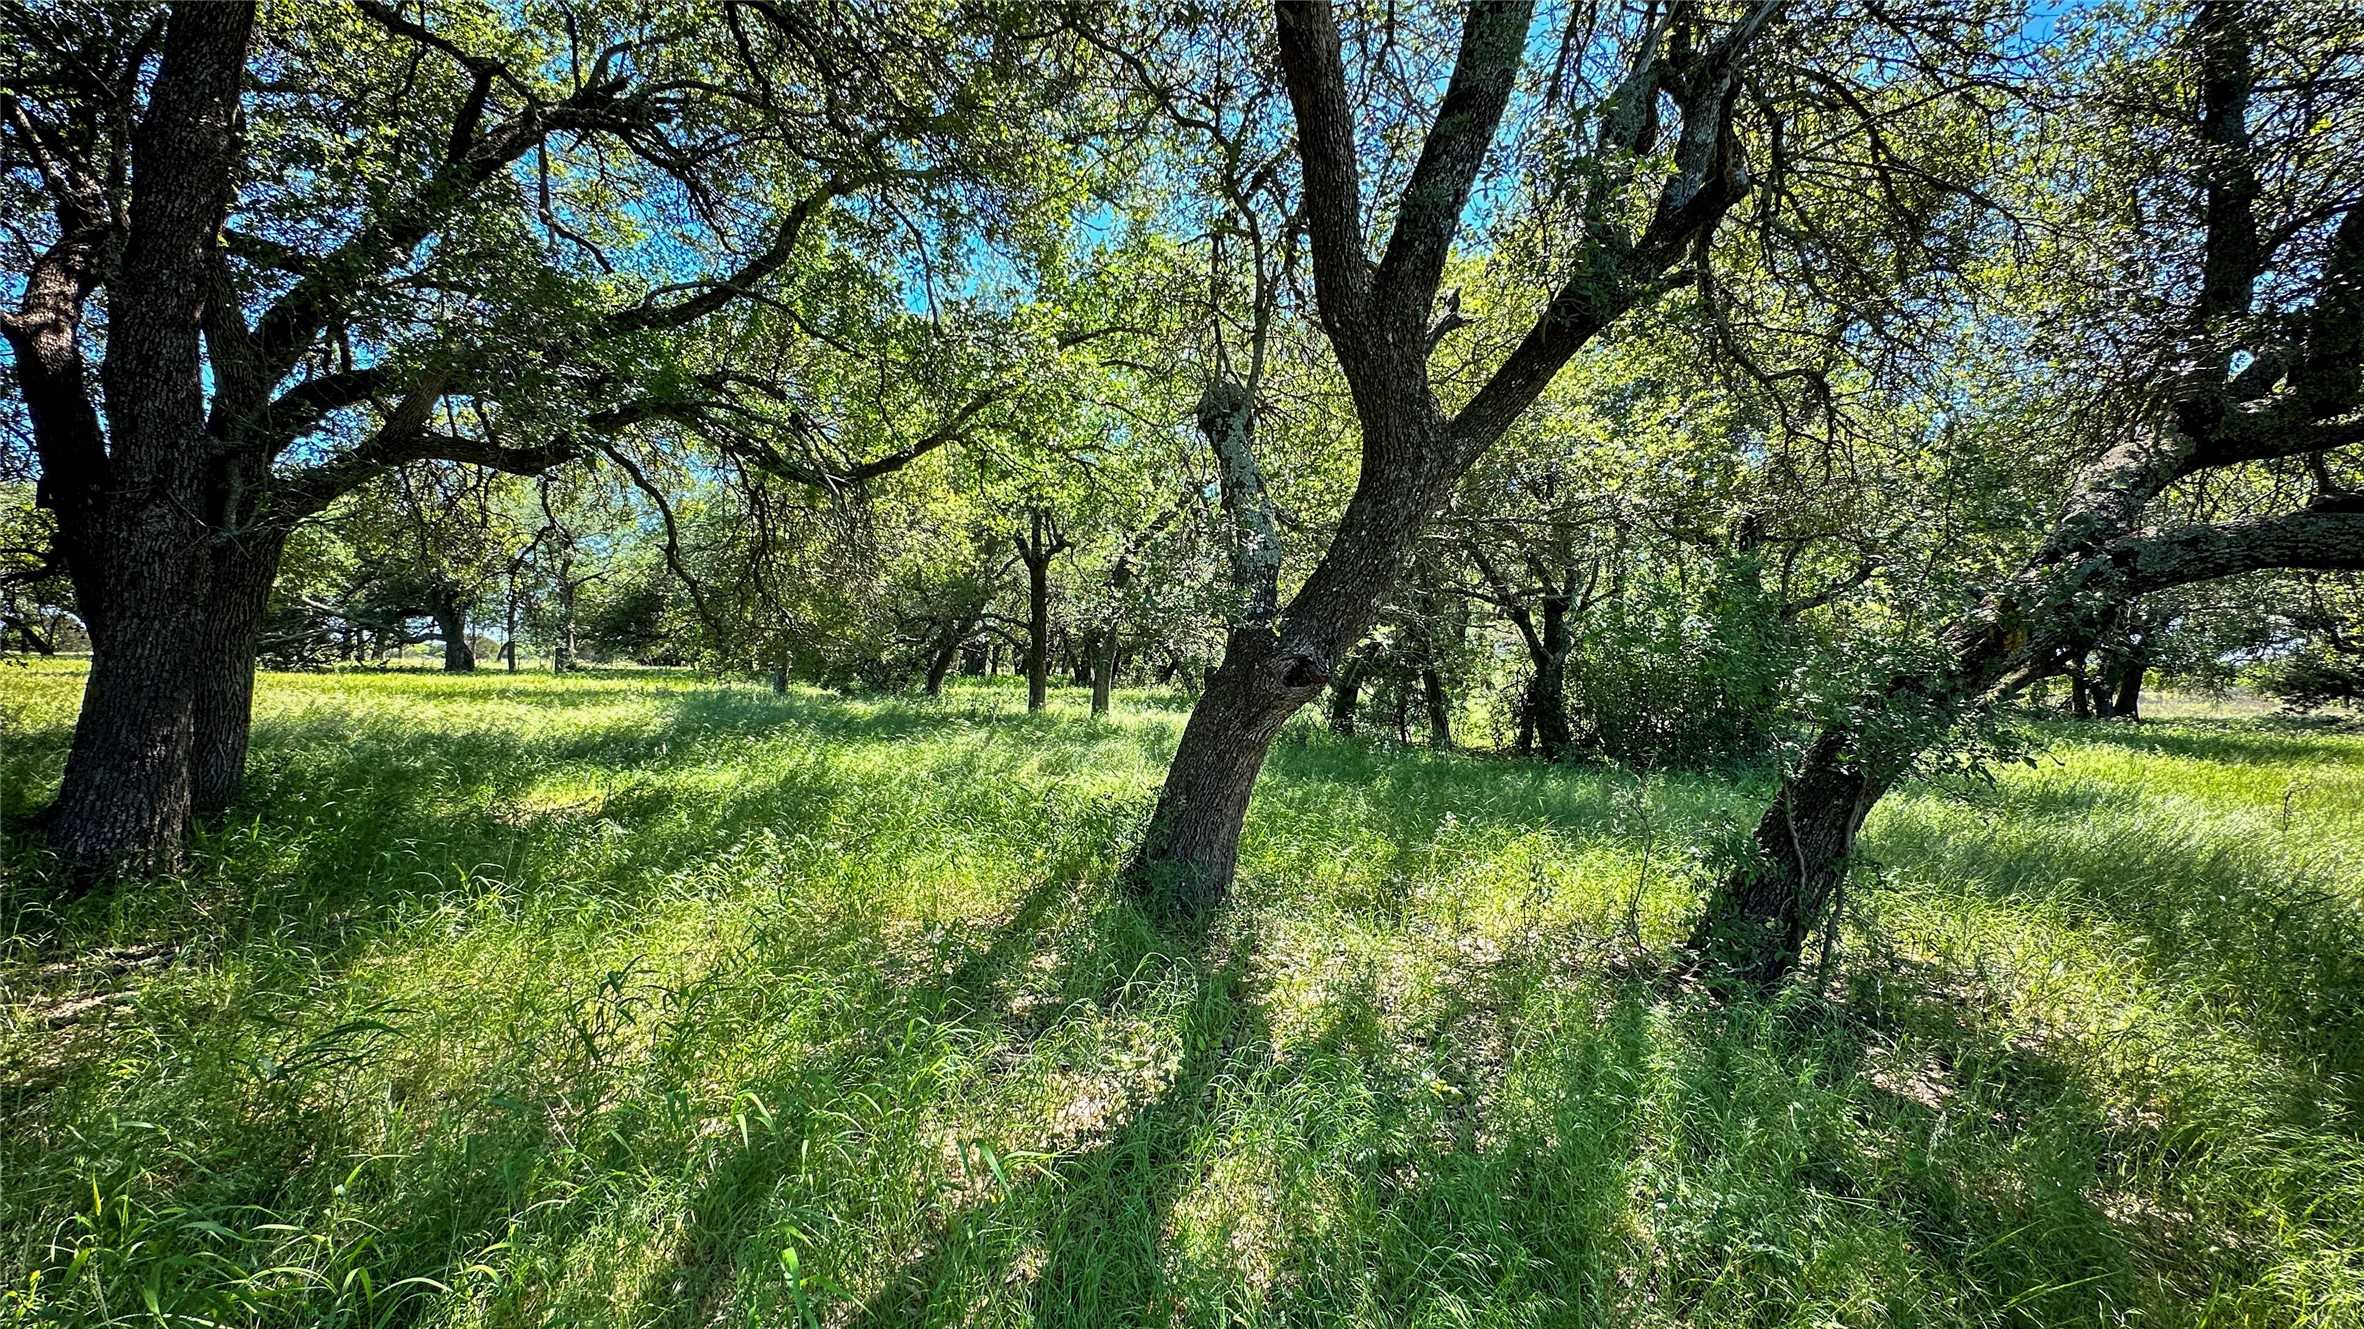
(631, 999)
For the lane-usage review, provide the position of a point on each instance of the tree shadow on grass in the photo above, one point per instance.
(548, 1142)
(2278, 954)
(1085, 1234)
(721, 1249)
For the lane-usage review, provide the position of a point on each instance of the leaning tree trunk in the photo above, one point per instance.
(1191, 850)
(1377, 317)
(1760, 914)
(224, 665)
(940, 662)
(1278, 661)
(1758, 920)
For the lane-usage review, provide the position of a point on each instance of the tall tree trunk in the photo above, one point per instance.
(1038, 632)
(2126, 703)
(1103, 669)
(562, 646)
(451, 620)
(509, 629)
(131, 503)
(1041, 542)
(224, 664)
(1440, 709)
(1380, 319)
(1346, 697)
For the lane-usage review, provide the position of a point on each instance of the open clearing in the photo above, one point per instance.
(631, 999)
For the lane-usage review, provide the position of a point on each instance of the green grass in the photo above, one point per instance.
(625, 999)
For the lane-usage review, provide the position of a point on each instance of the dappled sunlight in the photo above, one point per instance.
(692, 1003)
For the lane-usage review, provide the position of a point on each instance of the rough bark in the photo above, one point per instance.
(1192, 846)
(451, 623)
(125, 798)
(1378, 320)
(224, 664)
(2126, 688)
(1762, 912)
(1346, 697)
(136, 538)
(1547, 694)
(1757, 922)
(1440, 708)
(1103, 669)
(1037, 546)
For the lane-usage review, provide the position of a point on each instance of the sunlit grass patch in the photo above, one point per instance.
(641, 999)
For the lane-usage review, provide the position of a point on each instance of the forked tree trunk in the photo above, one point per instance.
(224, 664)
(131, 502)
(1543, 705)
(1041, 542)
(1381, 319)
(1276, 663)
